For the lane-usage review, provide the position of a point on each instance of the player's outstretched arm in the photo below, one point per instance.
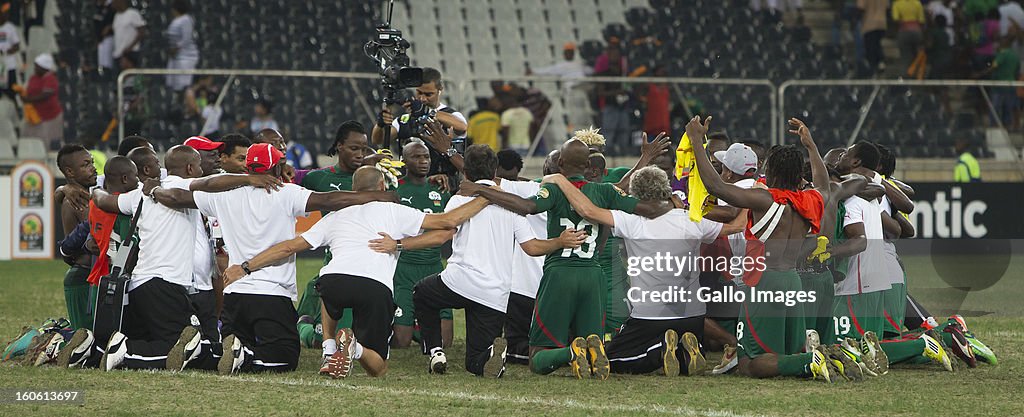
(819, 173)
(452, 219)
(105, 201)
(648, 151)
(752, 198)
(431, 239)
(736, 225)
(227, 182)
(723, 214)
(337, 200)
(510, 202)
(268, 257)
(583, 206)
(568, 239)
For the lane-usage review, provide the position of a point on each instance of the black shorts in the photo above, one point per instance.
(637, 348)
(719, 310)
(372, 304)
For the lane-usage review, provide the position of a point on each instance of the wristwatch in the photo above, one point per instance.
(245, 267)
(398, 245)
(152, 191)
(451, 152)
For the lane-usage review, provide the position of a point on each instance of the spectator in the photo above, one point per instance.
(873, 28)
(939, 49)
(264, 117)
(979, 8)
(298, 156)
(40, 96)
(10, 44)
(938, 8)
(967, 168)
(656, 117)
(515, 125)
(196, 95)
(485, 123)
(232, 154)
(1005, 67)
(612, 98)
(129, 29)
(909, 15)
(847, 11)
(103, 27)
(1011, 21)
(773, 9)
(510, 163)
(985, 34)
(184, 54)
(612, 53)
(571, 69)
(136, 107)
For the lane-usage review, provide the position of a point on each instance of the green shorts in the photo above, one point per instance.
(79, 297)
(894, 302)
(772, 327)
(616, 307)
(854, 315)
(819, 313)
(407, 275)
(570, 303)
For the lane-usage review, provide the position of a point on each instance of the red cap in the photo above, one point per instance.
(263, 154)
(200, 143)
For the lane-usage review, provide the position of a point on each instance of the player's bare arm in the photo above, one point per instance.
(431, 239)
(452, 219)
(337, 200)
(569, 238)
(104, 201)
(819, 173)
(897, 198)
(753, 198)
(272, 255)
(508, 201)
(648, 151)
(226, 182)
(855, 243)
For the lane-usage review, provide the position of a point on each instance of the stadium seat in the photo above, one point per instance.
(31, 148)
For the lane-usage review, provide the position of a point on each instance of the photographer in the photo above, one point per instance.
(426, 99)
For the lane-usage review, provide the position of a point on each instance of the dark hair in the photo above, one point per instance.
(67, 150)
(181, 6)
(267, 104)
(886, 160)
(940, 21)
(868, 154)
(784, 167)
(510, 159)
(753, 144)
(232, 141)
(719, 136)
(344, 131)
(129, 143)
(481, 163)
(432, 75)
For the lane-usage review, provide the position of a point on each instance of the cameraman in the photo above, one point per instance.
(427, 97)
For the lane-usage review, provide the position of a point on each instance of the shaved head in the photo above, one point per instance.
(121, 175)
(833, 156)
(368, 178)
(575, 157)
(146, 161)
(551, 162)
(180, 159)
(119, 165)
(272, 137)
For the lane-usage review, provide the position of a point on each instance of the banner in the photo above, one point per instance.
(32, 211)
(968, 210)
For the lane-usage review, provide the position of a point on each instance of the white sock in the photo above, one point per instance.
(330, 346)
(359, 352)
(433, 351)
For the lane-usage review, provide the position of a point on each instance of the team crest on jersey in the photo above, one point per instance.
(619, 190)
(435, 197)
(542, 193)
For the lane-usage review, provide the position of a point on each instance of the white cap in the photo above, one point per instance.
(739, 158)
(46, 62)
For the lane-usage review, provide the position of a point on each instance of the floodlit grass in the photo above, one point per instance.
(32, 291)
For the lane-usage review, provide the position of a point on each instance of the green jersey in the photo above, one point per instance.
(327, 180)
(561, 216)
(615, 175)
(121, 225)
(427, 198)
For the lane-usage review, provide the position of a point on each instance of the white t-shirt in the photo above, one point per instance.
(181, 34)
(518, 120)
(866, 272)
(570, 70)
(892, 259)
(211, 116)
(8, 38)
(202, 258)
(673, 233)
(163, 233)
(252, 221)
(527, 270)
(256, 125)
(483, 251)
(348, 232)
(126, 28)
(1010, 12)
(937, 8)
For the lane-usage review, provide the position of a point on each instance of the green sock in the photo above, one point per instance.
(795, 365)
(308, 335)
(899, 352)
(547, 361)
(947, 338)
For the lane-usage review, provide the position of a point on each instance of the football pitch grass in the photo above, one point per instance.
(32, 291)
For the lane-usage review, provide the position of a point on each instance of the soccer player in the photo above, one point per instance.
(258, 317)
(413, 265)
(478, 275)
(770, 333)
(573, 291)
(650, 337)
(157, 332)
(75, 162)
(357, 277)
(232, 154)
